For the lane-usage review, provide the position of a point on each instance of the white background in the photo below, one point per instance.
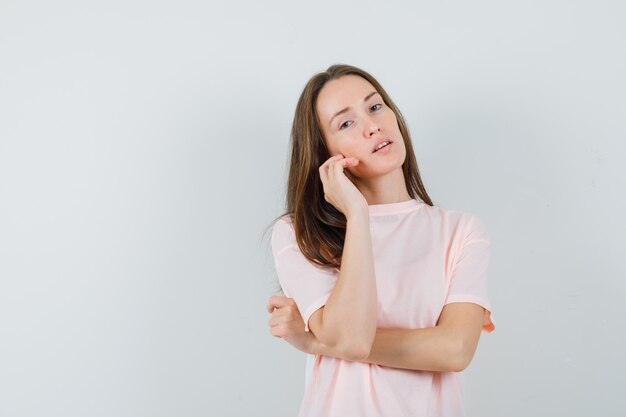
(143, 148)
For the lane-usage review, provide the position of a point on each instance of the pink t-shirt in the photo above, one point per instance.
(425, 257)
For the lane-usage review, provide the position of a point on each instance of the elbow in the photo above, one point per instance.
(361, 353)
(344, 341)
(460, 358)
(458, 365)
(355, 352)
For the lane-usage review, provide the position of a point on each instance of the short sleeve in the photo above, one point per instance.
(308, 284)
(468, 282)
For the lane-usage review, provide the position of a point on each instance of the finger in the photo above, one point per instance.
(283, 313)
(330, 175)
(337, 168)
(352, 163)
(277, 331)
(330, 172)
(323, 175)
(274, 332)
(280, 317)
(331, 160)
(335, 157)
(273, 321)
(332, 166)
(325, 166)
(347, 163)
(276, 301)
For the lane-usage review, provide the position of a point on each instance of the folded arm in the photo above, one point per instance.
(447, 347)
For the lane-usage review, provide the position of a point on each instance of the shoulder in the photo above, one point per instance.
(283, 233)
(459, 224)
(472, 227)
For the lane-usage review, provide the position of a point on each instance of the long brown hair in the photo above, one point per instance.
(319, 227)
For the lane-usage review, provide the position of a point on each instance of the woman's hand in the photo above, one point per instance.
(338, 189)
(287, 323)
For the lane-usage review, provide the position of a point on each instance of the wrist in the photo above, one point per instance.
(316, 347)
(358, 214)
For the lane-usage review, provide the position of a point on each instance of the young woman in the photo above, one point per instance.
(388, 291)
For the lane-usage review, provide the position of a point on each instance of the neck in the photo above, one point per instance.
(385, 189)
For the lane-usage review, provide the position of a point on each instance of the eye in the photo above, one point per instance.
(341, 126)
(375, 107)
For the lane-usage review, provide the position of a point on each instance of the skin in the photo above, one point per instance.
(378, 176)
(353, 178)
(447, 347)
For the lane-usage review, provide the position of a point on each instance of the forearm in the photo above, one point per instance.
(427, 349)
(350, 313)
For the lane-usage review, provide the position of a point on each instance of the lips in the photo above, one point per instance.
(379, 143)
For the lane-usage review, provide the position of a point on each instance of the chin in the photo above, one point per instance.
(388, 165)
(379, 171)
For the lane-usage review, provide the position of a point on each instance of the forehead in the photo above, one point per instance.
(346, 91)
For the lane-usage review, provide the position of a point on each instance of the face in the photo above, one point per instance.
(354, 120)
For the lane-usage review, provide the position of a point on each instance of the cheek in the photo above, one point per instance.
(333, 148)
(402, 152)
(350, 148)
(392, 121)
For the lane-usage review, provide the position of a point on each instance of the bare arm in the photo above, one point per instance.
(347, 322)
(447, 347)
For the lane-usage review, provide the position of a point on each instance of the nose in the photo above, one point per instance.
(372, 128)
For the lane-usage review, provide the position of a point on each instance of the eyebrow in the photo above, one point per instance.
(348, 108)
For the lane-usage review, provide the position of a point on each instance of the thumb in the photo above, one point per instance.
(276, 301)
